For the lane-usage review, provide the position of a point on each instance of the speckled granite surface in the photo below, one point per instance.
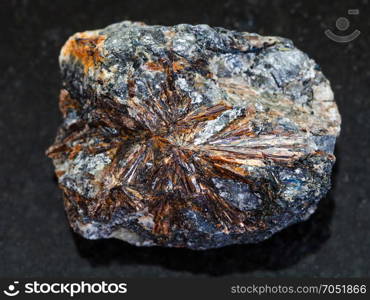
(34, 236)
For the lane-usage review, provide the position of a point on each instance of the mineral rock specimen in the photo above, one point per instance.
(191, 136)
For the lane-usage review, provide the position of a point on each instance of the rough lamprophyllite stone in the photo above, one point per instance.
(191, 136)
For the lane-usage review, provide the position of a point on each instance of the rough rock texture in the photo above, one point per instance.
(191, 136)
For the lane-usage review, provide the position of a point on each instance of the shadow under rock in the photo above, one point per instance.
(282, 250)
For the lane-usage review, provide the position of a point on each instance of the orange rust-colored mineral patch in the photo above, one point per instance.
(177, 66)
(157, 66)
(66, 102)
(154, 66)
(86, 48)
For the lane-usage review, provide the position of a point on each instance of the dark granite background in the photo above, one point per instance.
(35, 239)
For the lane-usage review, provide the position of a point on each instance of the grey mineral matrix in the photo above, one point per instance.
(191, 136)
